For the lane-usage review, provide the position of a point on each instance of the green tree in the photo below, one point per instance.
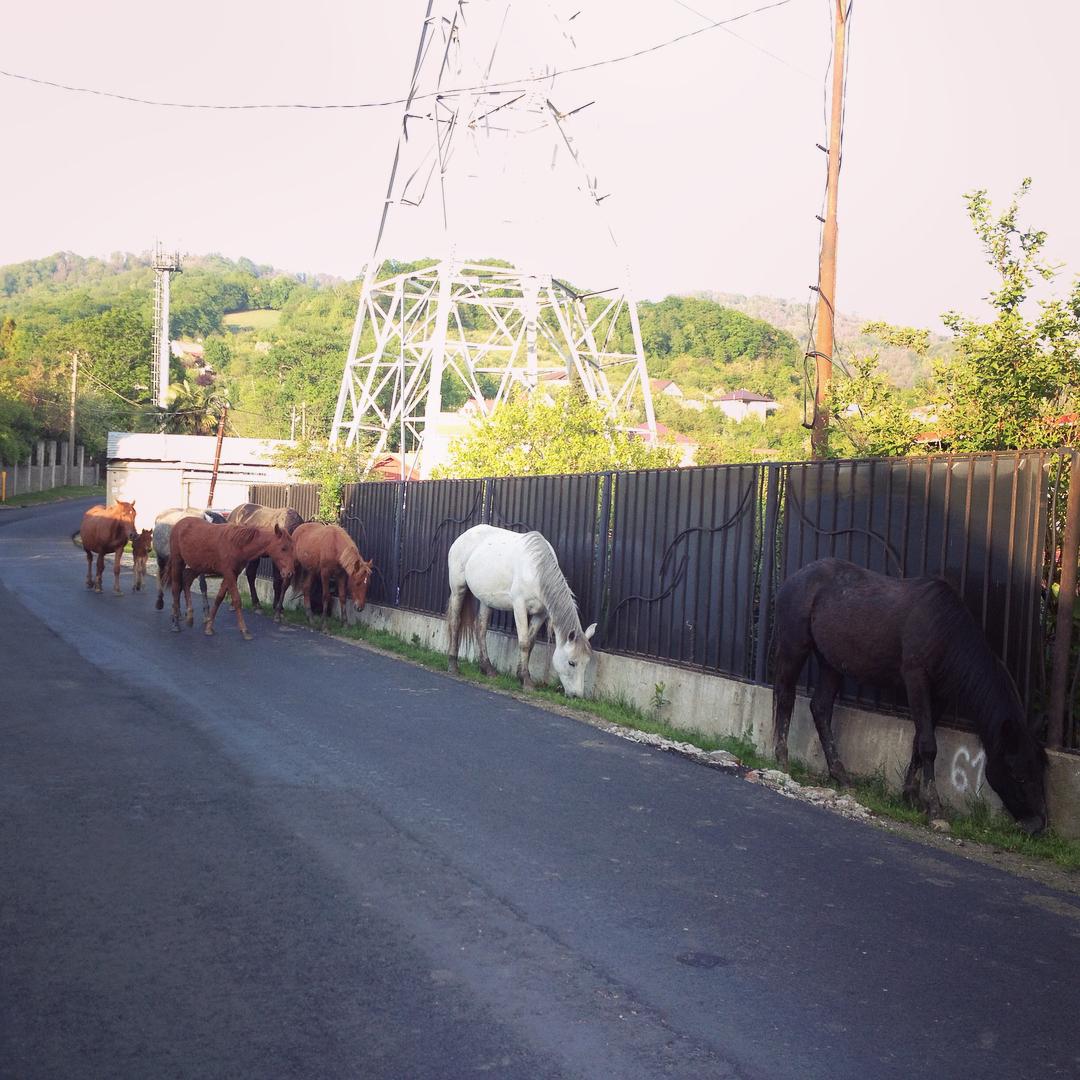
(315, 463)
(195, 407)
(527, 437)
(1013, 377)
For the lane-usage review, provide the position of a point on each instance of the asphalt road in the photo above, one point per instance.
(293, 857)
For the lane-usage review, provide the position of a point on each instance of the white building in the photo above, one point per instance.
(157, 472)
(743, 403)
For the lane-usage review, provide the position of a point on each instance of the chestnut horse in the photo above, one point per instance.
(327, 551)
(263, 517)
(197, 547)
(163, 524)
(103, 531)
(140, 552)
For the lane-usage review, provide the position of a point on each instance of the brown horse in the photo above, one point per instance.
(103, 531)
(263, 517)
(197, 547)
(140, 552)
(327, 551)
(163, 524)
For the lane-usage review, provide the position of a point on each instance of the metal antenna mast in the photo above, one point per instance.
(489, 327)
(165, 263)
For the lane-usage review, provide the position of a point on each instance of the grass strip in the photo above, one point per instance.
(57, 494)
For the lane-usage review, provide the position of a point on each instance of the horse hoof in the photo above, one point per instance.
(175, 628)
(489, 670)
(159, 604)
(452, 667)
(245, 635)
(208, 631)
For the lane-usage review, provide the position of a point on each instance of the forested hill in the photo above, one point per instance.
(273, 341)
(904, 367)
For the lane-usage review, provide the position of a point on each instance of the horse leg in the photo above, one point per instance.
(251, 571)
(176, 583)
(307, 583)
(821, 708)
(788, 666)
(343, 596)
(100, 571)
(279, 594)
(89, 569)
(328, 599)
(521, 621)
(205, 597)
(921, 703)
(911, 777)
(536, 623)
(116, 570)
(483, 617)
(453, 629)
(238, 605)
(208, 625)
(188, 578)
(159, 603)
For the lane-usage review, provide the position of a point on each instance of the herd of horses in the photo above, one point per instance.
(191, 544)
(877, 630)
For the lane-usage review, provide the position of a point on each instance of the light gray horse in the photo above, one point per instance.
(163, 524)
(518, 572)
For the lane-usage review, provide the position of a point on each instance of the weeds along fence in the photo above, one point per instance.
(683, 565)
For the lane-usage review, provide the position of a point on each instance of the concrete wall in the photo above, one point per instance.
(868, 742)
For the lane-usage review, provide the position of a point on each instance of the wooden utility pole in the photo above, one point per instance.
(824, 337)
(71, 414)
(217, 455)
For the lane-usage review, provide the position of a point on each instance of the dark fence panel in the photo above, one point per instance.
(684, 563)
(976, 520)
(371, 515)
(303, 498)
(436, 513)
(565, 509)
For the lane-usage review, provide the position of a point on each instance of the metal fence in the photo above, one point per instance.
(682, 565)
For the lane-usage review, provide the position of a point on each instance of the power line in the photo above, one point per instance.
(496, 87)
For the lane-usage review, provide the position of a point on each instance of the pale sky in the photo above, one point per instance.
(706, 148)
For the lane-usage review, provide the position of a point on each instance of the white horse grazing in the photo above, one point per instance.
(518, 572)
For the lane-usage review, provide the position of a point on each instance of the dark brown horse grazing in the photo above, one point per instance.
(263, 517)
(197, 547)
(915, 632)
(103, 531)
(140, 552)
(327, 551)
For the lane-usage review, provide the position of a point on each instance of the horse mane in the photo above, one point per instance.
(240, 535)
(554, 591)
(968, 670)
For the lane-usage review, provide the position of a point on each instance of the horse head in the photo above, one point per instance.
(359, 579)
(280, 550)
(1017, 772)
(570, 660)
(125, 511)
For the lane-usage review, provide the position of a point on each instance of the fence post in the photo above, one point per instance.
(41, 464)
(52, 464)
(768, 574)
(1070, 554)
(82, 452)
(600, 555)
(399, 525)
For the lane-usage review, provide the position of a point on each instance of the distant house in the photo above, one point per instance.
(189, 351)
(740, 404)
(686, 446)
(477, 407)
(391, 467)
(665, 387)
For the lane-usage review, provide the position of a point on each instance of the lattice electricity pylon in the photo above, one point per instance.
(489, 327)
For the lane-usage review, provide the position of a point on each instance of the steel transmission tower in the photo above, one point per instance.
(488, 328)
(165, 263)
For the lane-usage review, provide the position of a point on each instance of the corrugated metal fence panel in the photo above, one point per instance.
(565, 510)
(436, 513)
(371, 515)
(303, 498)
(684, 560)
(275, 496)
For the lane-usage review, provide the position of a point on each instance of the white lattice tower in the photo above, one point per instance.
(490, 327)
(165, 263)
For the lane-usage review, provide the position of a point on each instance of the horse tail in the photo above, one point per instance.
(470, 608)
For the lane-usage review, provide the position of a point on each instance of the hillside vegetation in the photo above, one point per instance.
(273, 346)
